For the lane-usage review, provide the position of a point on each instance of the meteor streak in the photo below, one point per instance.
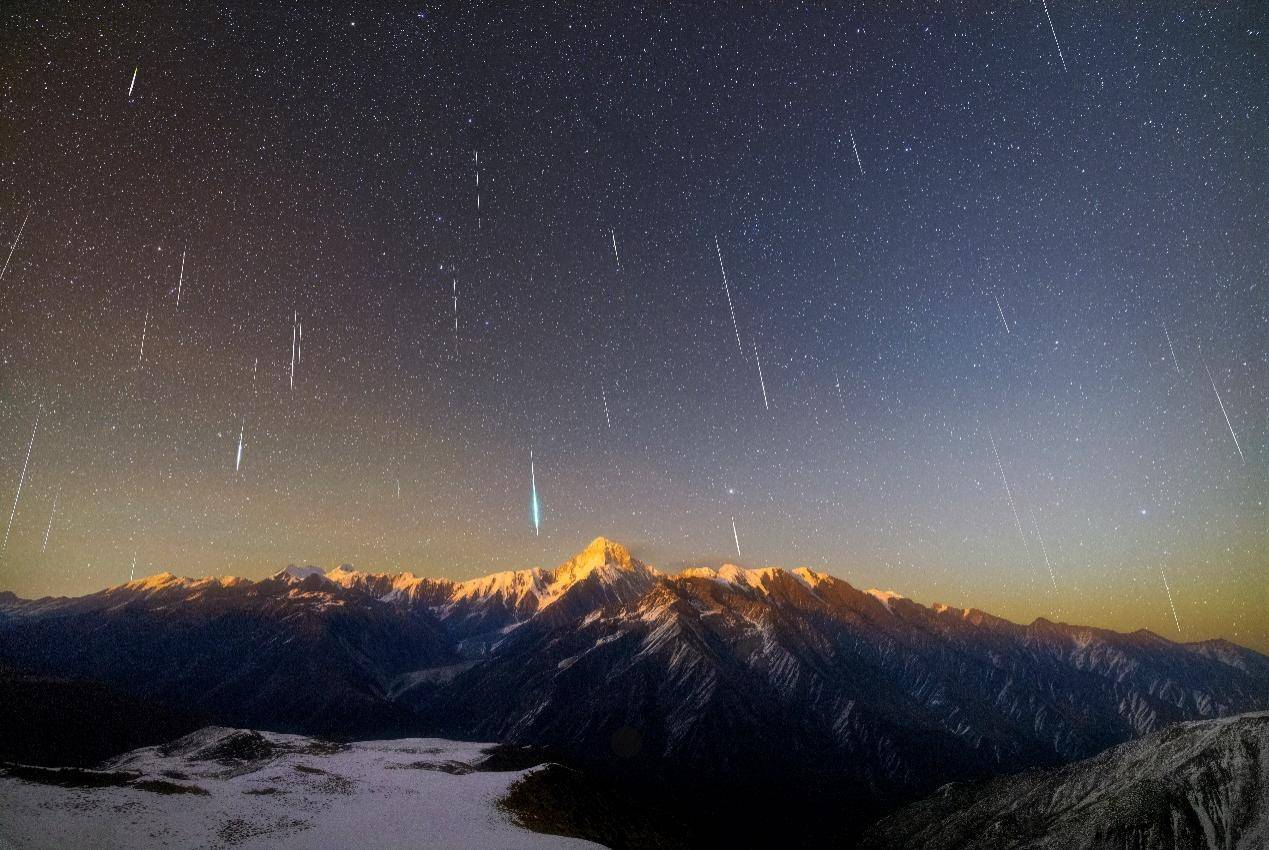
(1047, 563)
(735, 536)
(180, 281)
(1226, 415)
(1052, 30)
(1168, 336)
(855, 148)
(21, 481)
(727, 289)
(1170, 605)
(604, 396)
(478, 223)
(761, 382)
(533, 491)
(1009, 494)
(133, 84)
(1002, 313)
(14, 246)
(295, 322)
(614, 250)
(49, 530)
(241, 431)
(144, 327)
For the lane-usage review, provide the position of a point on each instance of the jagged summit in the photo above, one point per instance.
(602, 553)
(300, 573)
(601, 550)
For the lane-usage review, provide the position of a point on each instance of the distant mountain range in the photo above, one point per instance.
(792, 680)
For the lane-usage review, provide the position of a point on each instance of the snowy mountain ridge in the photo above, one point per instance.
(719, 672)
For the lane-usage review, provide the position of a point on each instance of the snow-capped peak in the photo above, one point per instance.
(601, 552)
(301, 573)
(884, 596)
(155, 582)
(608, 561)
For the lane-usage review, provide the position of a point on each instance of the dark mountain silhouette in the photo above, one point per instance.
(793, 681)
(1199, 785)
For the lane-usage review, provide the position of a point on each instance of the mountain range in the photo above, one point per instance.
(789, 680)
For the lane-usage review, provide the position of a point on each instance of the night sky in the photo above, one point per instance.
(1051, 260)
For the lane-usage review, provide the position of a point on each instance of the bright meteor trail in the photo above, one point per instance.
(1170, 605)
(1009, 493)
(1052, 30)
(533, 490)
(1226, 415)
(21, 481)
(145, 326)
(295, 323)
(727, 289)
(761, 382)
(1168, 337)
(14, 246)
(1001, 310)
(49, 530)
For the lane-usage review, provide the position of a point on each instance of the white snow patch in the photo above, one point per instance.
(373, 793)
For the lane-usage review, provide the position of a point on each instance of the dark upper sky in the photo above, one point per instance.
(1046, 259)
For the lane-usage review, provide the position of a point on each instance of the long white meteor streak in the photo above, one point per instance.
(614, 250)
(133, 84)
(145, 326)
(181, 280)
(1226, 415)
(1052, 30)
(455, 310)
(21, 481)
(14, 246)
(241, 431)
(1009, 493)
(1170, 605)
(1168, 336)
(1044, 550)
(295, 322)
(855, 148)
(761, 382)
(735, 536)
(1002, 313)
(49, 530)
(727, 289)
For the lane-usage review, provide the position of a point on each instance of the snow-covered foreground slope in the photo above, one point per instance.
(222, 787)
(1192, 785)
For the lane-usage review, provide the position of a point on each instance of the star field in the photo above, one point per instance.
(934, 237)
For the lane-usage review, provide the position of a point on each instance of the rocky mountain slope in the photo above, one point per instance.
(722, 674)
(1197, 785)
